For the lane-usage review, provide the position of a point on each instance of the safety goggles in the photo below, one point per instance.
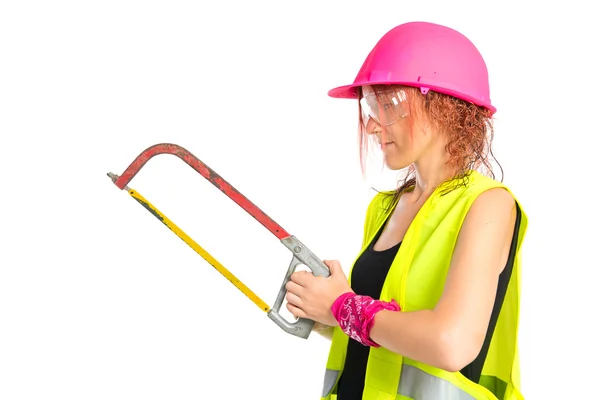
(384, 107)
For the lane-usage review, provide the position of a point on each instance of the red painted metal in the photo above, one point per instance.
(208, 173)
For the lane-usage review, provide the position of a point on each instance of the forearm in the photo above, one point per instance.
(421, 336)
(325, 331)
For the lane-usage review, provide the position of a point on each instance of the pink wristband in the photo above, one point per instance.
(356, 314)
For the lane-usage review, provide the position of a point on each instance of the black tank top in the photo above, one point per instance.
(368, 276)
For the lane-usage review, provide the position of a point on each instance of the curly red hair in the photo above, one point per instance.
(469, 129)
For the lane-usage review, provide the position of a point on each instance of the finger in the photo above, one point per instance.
(294, 300)
(333, 265)
(294, 288)
(295, 311)
(301, 277)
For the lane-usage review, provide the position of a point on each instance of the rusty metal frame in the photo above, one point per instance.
(301, 254)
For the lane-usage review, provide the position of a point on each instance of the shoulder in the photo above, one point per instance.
(489, 224)
(495, 200)
(485, 193)
(493, 211)
(490, 197)
(491, 202)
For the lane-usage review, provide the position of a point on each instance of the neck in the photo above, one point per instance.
(430, 171)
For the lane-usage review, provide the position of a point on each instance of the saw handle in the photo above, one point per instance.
(302, 256)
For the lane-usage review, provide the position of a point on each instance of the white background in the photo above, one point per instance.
(98, 300)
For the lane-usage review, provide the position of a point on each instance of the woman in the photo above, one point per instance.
(430, 308)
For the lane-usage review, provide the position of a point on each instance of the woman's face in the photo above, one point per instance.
(402, 140)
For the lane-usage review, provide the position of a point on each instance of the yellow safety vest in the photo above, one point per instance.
(416, 280)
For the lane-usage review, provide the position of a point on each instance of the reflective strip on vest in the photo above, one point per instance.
(414, 383)
(420, 385)
(331, 376)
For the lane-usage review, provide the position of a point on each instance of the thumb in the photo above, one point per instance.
(334, 266)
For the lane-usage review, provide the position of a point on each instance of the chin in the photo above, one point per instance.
(396, 166)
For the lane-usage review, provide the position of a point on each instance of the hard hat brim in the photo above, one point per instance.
(351, 92)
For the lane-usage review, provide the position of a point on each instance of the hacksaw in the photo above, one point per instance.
(301, 255)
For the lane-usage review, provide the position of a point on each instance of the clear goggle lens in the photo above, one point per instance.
(384, 107)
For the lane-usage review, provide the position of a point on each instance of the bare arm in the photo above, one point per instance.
(451, 335)
(324, 330)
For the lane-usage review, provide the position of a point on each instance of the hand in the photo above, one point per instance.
(312, 296)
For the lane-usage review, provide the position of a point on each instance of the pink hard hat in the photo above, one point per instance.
(427, 56)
